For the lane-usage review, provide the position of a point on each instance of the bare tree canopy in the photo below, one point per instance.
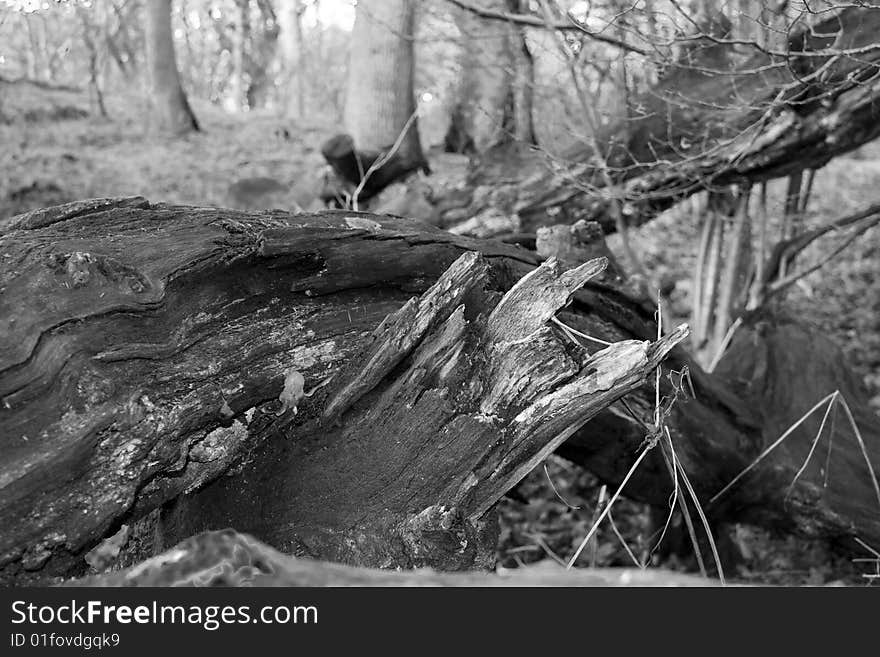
(713, 121)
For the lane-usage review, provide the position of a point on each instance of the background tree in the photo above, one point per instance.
(380, 103)
(170, 110)
(294, 63)
(493, 101)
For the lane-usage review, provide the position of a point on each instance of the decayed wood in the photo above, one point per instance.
(226, 558)
(146, 348)
(458, 395)
(360, 388)
(710, 122)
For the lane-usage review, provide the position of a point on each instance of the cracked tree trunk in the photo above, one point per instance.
(135, 372)
(353, 387)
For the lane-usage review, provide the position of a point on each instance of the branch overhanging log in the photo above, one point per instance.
(708, 125)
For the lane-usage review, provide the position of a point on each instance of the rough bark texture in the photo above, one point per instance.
(170, 111)
(379, 98)
(170, 367)
(166, 366)
(708, 123)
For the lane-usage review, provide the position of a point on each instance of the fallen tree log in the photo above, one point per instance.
(151, 349)
(713, 120)
(186, 369)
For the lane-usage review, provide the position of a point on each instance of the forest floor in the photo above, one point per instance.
(52, 151)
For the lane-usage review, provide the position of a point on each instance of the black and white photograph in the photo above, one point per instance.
(435, 293)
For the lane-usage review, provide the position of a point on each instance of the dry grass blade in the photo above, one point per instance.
(571, 332)
(556, 492)
(607, 508)
(673, 468)
(623, 541)
(594, 546)
(682, 503)
(696, 501)
(724, 344)
(813, 446)
(541, 543)
(769, 449)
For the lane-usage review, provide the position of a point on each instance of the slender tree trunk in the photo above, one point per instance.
(294, 62)
(92, 39)
(171, 112)
(523, 88)
(38, 60)
(240, 36)
(380, 102)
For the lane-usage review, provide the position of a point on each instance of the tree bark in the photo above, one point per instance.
(170, 110)
(363, 389)
(379, 101)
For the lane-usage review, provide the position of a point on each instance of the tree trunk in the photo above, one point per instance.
(293, 58)
(170, 110)
(91, 38)
(240, 40)
(493, 102)
(523, 90)
(379, 101)
(364, 389)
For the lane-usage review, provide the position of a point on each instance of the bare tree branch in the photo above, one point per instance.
(534, 21)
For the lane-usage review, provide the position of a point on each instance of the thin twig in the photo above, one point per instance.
(556, 492)
(724, 344)
(672, 501)
(685, 513)
(607, 509)
(380, 161)
(813, 446)
(705, 522)
(623, 542)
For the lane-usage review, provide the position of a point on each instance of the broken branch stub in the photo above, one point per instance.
(467, 390)
(401, 331)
